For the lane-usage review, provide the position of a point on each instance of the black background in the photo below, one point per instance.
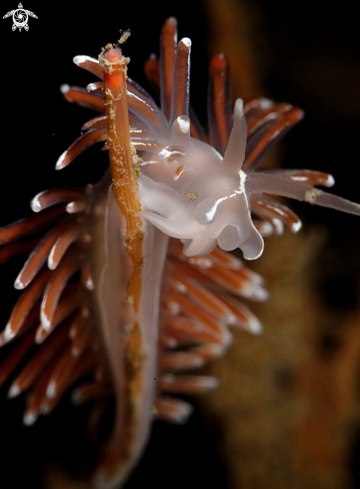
(37, 125)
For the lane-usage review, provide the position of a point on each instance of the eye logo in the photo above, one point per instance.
(20, 17)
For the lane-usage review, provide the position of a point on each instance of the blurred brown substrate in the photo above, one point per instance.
(291, 397)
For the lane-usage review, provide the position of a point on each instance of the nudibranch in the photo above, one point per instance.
(129, 285)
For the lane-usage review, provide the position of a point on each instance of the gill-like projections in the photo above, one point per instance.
(108, 299)
(205, 194)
